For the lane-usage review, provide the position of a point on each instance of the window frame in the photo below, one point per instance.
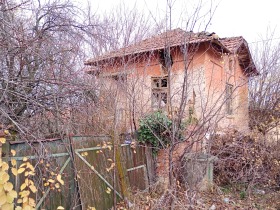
(159, 92)
(229, 99)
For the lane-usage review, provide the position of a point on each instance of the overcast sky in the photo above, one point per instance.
(248, 18)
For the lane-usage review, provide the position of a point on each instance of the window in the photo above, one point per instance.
(230, 64)
(120, 78)
(229, 99)
(159, 92)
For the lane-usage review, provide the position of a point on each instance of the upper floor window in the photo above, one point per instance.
(230, 64)
(159, 92)
(229, 99)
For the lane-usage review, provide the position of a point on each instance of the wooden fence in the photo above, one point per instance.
(93, 175)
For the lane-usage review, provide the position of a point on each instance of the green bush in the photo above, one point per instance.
(155, 129)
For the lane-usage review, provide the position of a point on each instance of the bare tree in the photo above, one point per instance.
(264, 89)
(41, 58)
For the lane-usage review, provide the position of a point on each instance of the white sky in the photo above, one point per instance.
(248, 18)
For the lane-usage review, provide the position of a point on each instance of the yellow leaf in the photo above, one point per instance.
(13, 152)
(84, 154)
(24, 200)
(5, 166)
(51, 180)
(23, 186)
(25, 159)
(31, 167)
(3, 199)
(108, 190)
(14, 171)
(60, 208)
(6, 132)
(4, 177)
(19, 201)
(57, 185)
(33, 188)
(30, 182)
(31, 202)
(59, 179)
(24, 193)
(14, 162)
(20, 170)
(23, 164)
(13, 194)
(27, 207)
(8, 186)
(7, 206)
(18, 208)
(10, 199)
(2, 140)
(31, 173)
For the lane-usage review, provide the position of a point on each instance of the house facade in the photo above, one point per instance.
(185, 74)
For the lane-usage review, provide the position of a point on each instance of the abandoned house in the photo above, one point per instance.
(182, 73)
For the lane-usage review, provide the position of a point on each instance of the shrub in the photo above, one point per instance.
(245, 159)
(154, 129)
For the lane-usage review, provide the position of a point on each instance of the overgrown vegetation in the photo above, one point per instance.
(247, 160)
(23, 198)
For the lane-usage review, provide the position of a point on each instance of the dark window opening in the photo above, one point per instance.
(119, 78)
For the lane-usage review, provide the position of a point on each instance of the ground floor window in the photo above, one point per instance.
(159, 92)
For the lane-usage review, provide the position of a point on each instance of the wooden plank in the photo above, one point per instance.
(98, 174)
(42, 151)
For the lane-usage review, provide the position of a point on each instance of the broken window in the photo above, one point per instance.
(119, 78)
(159, 92)
(229, 99)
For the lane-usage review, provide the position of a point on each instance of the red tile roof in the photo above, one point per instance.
(233, 43)
(178, 37)
(170, 38)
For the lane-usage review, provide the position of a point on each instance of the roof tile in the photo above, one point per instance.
(170, 38)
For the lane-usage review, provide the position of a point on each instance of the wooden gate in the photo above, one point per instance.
(87, 166)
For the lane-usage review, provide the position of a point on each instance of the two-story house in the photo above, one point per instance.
(183, 73)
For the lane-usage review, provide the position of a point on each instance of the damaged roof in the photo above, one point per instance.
(176, 37)
(239, 46)
(179, 37)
